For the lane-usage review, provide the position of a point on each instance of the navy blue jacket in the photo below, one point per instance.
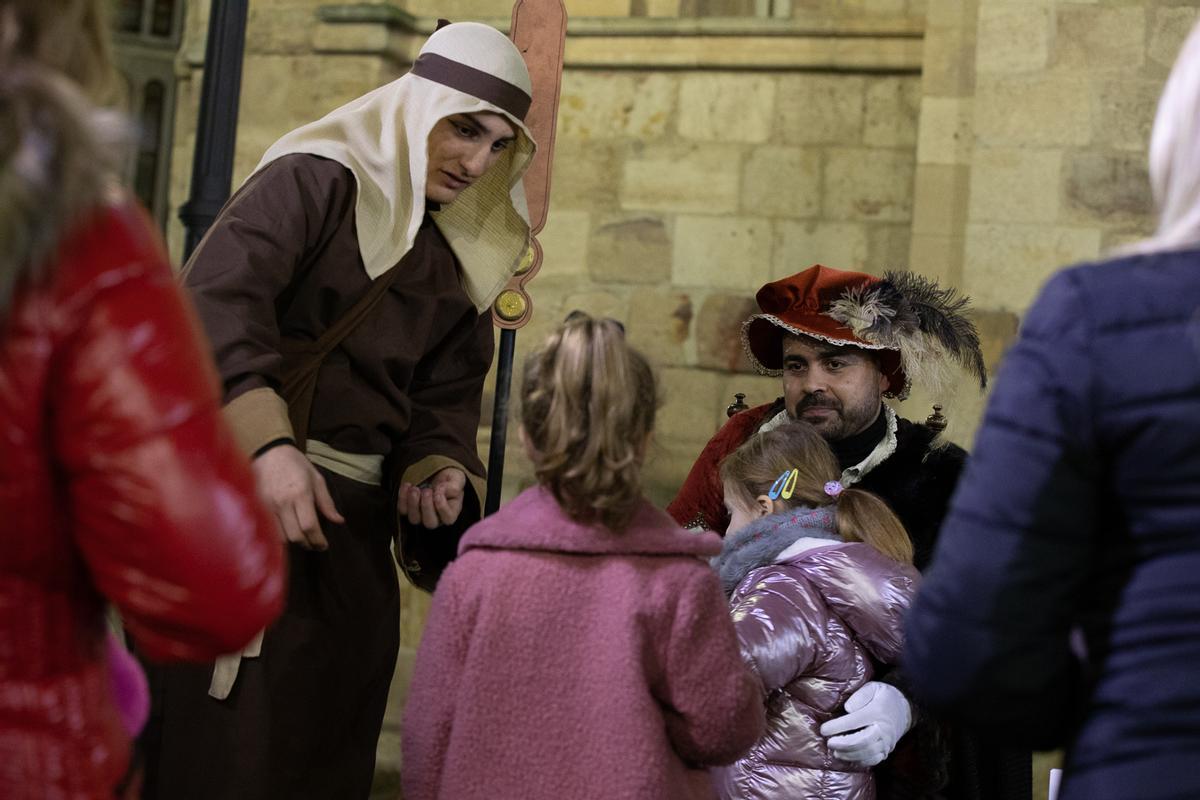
(1063, 603)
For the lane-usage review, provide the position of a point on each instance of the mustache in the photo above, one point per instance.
(816, 401)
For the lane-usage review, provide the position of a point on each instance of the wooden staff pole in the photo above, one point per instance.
(539, 29)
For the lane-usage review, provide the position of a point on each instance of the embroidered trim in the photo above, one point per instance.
(774, 422)
(697, 523)
(882, 452)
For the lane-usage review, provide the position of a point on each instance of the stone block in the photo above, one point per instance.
(667, 464)
(693, 406)
(1132, 233)
(612, 105)
(726, 107)
(1010, 184)
(869, 185)
(586, 174)
(719, 330)
(716, 8)
(660, 322)
(564, 242)
(597, 302)
(1127, 108)
(945, 130)
(659, 7)
(1106, 187)
(630, 249)
(1100, 38)
(952, 13)
(940, 199)
(997, 330)
(280, 30)
(1013, 37)
(938, 257)
(1042, 110)
(891, 112)
(782, 182)
(1006, 265)
(721, 252)
(701, 178)
(948, 68)
(597, 8)
(1169, 26)
(887, 247)
(799, 245)
(819, 109)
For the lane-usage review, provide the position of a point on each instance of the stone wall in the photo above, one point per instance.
(1035, 121)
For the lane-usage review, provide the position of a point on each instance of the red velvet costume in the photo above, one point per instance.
(119, 483)
(700, 502)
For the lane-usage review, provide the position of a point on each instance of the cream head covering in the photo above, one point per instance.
(382, 138)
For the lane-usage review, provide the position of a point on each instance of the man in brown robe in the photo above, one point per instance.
(416, 184)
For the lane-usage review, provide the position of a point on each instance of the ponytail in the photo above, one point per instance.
(863, 517)
(588, 402)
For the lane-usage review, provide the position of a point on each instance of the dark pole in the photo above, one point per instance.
(508, 341)
(216, 129)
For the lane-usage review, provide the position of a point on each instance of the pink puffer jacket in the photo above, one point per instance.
(814, 615)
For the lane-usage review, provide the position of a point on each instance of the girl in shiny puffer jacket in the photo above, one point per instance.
(818, 578)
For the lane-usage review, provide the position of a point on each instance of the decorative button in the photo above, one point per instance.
(526, 261)
(511, 305)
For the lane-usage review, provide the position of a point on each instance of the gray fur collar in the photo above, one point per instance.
(761, 542)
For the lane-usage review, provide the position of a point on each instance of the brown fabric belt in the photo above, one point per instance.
(474, 82)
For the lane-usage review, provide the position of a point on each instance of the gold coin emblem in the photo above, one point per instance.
(511, 305)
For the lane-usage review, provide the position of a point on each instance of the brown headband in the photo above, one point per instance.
(474, 82)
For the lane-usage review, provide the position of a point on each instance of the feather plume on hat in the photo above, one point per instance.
(918, 330)
(912, 314)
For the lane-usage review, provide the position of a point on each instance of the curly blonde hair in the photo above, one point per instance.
(588, 403)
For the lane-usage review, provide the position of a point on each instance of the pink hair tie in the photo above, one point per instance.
(834, 488)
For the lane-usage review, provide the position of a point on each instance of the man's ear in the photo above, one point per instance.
(764, 505)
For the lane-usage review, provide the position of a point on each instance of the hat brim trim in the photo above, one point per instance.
(775, 373)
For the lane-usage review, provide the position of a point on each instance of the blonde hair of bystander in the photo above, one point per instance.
(588, 404)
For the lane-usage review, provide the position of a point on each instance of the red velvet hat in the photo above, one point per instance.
(900, 316)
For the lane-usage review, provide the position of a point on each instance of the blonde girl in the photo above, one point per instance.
(579, 647)
(818, 576)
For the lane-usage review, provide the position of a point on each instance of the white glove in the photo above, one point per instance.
(877, 715)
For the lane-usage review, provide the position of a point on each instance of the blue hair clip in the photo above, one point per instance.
(785, 485)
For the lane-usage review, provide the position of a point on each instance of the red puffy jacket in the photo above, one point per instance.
(118, 482)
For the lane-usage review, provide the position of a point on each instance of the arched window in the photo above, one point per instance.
(147, 41)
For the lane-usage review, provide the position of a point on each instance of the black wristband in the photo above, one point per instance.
(274, 443)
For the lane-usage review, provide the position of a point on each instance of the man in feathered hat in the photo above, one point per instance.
(346, 289)
(843, 342)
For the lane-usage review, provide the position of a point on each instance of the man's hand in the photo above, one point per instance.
(877, 715)
(293, 489)
(437, 501)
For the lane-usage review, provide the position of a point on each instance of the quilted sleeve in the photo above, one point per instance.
(161, 504)
(987, 636)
